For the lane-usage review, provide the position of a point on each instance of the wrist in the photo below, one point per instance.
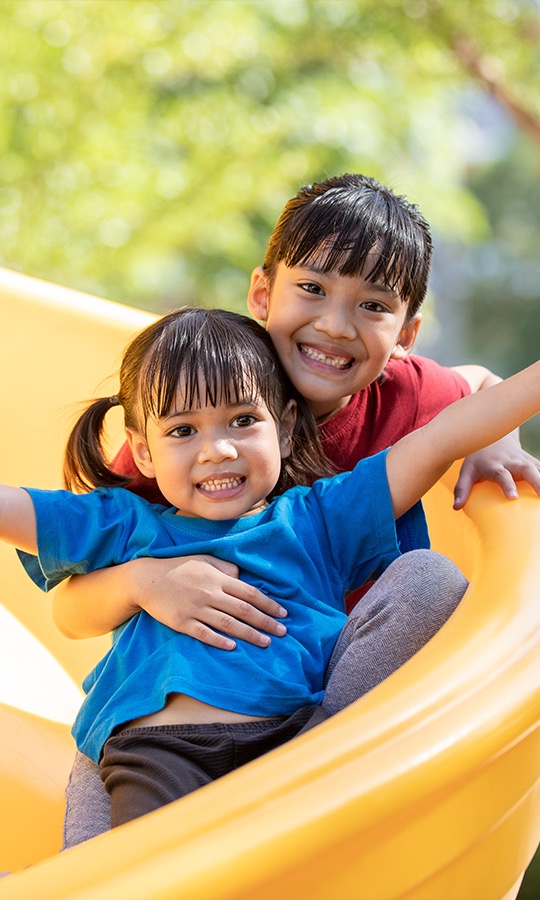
(134, 575)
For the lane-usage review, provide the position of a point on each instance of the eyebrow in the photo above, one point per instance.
(188, 410)
(376, 285)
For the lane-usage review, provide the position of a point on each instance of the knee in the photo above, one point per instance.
(432, 582)
(435, 569)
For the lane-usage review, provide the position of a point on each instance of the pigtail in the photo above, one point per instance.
(85, 462)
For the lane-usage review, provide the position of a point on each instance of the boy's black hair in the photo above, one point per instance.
(216, 356)
(354, 226)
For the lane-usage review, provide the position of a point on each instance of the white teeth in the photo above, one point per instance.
(220, 484)
(338, 362)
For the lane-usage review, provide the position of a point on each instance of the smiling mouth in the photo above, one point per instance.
(219, 485)
(341, 363)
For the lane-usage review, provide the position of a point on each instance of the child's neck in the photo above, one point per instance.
(324, 415)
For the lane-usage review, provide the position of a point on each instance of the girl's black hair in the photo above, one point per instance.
(354, 226)
(220, 356)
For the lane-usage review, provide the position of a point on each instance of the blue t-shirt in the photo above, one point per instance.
(305, 550)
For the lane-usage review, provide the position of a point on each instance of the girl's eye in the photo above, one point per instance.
(311, 288)
(182, 431)
(244, 421)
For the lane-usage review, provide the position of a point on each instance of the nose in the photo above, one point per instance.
(335, 322)
(216, 448)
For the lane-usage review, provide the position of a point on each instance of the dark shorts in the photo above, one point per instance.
(145, 768)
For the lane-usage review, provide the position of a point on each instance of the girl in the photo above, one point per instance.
(212, 416)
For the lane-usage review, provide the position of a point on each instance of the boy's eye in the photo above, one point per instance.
(181, 431)
(244, 421)
(373, 306)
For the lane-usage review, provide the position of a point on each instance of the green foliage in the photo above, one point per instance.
(147, 148)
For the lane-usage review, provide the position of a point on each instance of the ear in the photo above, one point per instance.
(140, 452)
(259, 294)
(407, 337)
(286, 427)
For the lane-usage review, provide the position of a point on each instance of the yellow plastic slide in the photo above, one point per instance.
(427, 788)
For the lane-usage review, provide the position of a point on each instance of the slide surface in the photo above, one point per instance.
(427, 788)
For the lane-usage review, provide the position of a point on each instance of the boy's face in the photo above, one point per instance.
(334, 334)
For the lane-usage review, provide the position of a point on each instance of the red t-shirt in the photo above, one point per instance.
(410, 392)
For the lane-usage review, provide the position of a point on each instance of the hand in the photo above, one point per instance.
(201, 596)
(504, 462)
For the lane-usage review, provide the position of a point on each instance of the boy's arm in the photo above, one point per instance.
(17, 519)
(418, 460)
(196, 595)
(504, 461)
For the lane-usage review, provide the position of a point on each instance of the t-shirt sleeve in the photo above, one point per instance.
(429, 387)
(357, 510)
(77, 533)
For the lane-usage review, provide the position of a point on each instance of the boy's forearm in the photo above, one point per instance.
(419, 459)
(94, 604)
(479, 378)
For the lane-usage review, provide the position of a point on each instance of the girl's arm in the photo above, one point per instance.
(418, 460)
(503, 462)
(195, 595)
(17, 519)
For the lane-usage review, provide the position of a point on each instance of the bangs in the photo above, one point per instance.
(354, 239)
(358, 232)
(210, 361)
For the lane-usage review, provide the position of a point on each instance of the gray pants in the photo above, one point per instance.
(402, 611)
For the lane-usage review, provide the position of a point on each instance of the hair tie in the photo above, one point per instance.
(114, 401)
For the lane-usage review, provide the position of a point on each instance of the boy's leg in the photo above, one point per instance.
(88, 806)
(401, 612)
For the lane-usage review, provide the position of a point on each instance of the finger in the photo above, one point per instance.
(506, 481)
(250, 603)
(239, 615)
(206, 635)
(462, 489)
(237, 630)
(531, 475)
(216, 621)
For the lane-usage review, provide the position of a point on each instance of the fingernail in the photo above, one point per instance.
(280, 630)
(230, 645)
(282, 612)
(264, 640)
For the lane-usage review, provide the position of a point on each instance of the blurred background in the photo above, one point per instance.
(147, 149)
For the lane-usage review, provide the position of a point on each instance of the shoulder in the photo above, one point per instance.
(424, 373)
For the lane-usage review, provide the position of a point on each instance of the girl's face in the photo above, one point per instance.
(215, 462)
(334, 334)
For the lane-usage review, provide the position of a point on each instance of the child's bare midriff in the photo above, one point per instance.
(180, 709)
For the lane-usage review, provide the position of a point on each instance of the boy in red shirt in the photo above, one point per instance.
(340, 292)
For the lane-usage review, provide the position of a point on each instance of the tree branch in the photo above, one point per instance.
(486, 70)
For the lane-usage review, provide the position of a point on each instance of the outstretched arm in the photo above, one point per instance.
(17, 519)
(503, 462)
(418, 460)
(195, 595)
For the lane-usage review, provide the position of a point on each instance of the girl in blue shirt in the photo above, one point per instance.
(210, 413)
